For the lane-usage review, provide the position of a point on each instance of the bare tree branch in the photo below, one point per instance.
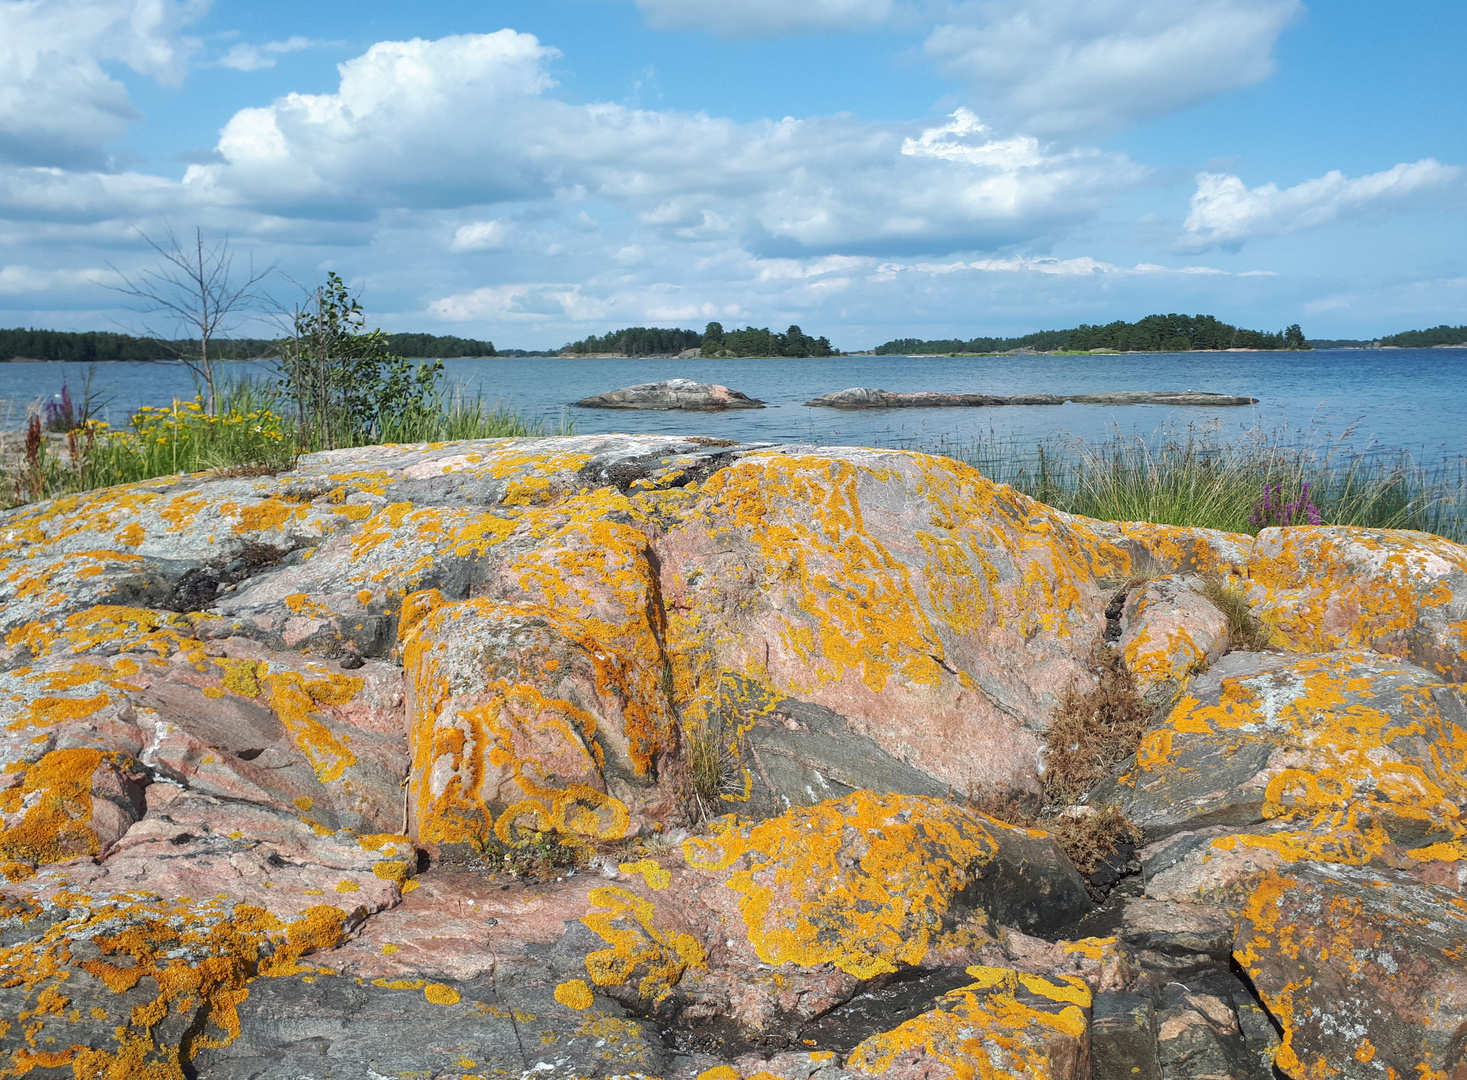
(194, 287)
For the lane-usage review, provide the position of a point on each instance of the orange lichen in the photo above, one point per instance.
(575, 994)
(655, 876)
(1001, 1027)
(294, 699)
(862, 882)
(640, 950)
(54, 805)
(198, 956)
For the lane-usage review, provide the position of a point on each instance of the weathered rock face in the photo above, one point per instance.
(862, 397)
(263, 737)
(673, 394)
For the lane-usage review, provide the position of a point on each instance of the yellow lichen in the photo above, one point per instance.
(862, 882)
(439, 994)
(987, 1031)
(639, 949)
(575, 994)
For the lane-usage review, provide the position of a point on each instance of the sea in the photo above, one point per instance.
(1368, 401)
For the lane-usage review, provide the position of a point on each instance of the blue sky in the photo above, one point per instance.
(531, 172)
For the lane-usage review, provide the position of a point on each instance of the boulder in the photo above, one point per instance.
(614, 755)
(1170, 631)
(672, 394)
(1328, 587)
(1344, 754)
(1362, 969)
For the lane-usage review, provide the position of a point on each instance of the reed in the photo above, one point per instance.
(1197, 478)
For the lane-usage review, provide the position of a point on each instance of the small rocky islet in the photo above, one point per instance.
(273, 745)
(688, 395)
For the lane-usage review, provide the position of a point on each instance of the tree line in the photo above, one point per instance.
(1154, 333)
(714, 341)
(637, 341)
(753, 341)
(1425, 339)
(95, 346)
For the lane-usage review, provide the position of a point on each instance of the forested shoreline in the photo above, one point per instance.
(713, 342)
(1154, 333)
(98, 346)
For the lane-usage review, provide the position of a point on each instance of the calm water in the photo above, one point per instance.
(1414, 399)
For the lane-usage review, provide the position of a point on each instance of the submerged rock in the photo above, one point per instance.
(614, 755)
(672, 394)
(861, 397)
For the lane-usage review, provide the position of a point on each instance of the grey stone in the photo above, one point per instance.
(1123, 1037)
(684, 394)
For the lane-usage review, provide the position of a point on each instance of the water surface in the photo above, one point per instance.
(1413, 399)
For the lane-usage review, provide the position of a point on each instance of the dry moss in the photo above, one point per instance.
(1245, 632)
(1093, 730)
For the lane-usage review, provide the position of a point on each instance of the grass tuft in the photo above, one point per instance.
(1093, 730)
(1245, 632)
(711, 768)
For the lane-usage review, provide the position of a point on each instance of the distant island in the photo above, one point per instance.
(1155, 333)
(95, 346)
(1438, 337)
(713, 342)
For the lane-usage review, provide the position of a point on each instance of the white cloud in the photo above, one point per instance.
(243, 57)
(764, 18)
(58, 105)
(1063, 66)
(522, 303)
(482, 236)
(394, 134)
(1226, 212)
(1083, 266)
(20, 280)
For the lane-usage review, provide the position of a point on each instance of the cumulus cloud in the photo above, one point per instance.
(482, 236)
(1226, 212)
(58, 105)
(764, 18)
(394, 134)
(1085, 66)
(244, 57)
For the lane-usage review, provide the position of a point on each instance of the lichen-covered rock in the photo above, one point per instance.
(1170, 632)
(1362, 968)
(1005, 1025)
(1401, 593)
(1354, 752)
(250, 726)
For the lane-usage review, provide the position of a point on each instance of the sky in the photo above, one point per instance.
(533, 171)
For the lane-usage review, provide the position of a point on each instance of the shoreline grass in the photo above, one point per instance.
(249, 434)
(1196, 478)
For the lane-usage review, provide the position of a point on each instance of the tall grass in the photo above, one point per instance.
(1197, 478)
(247, 435)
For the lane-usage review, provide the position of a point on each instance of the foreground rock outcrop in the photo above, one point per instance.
(861, 397)
(673, 394)
(617, 755)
